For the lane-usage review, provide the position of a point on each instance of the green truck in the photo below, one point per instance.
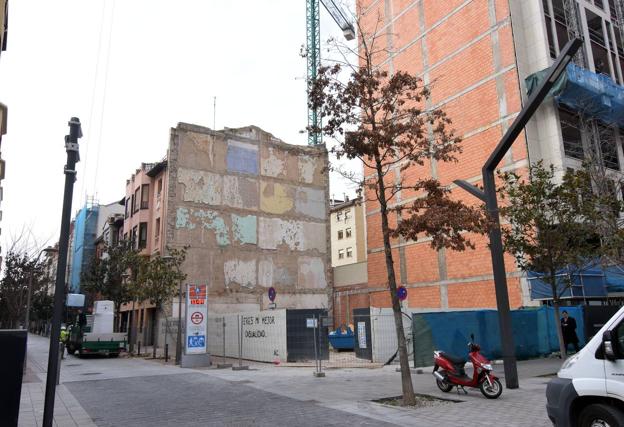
(84, 341)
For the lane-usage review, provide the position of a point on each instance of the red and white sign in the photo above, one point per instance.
(197, 317)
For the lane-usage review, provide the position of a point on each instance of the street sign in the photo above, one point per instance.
(402, 293)
(196, 314)
(272, 294)
(197, 318)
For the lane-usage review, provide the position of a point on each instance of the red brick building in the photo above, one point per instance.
(475, 55)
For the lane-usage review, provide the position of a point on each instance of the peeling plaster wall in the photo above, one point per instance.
(253, 212)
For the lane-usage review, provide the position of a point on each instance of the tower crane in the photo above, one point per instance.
(313, 44)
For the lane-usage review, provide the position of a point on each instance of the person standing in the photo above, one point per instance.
(568, 329)
(63, 340)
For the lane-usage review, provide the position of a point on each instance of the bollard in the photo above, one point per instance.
(317, 358)
(166, 353)
(139, 349)
(240, 366)
(58, 371)
(224, 364)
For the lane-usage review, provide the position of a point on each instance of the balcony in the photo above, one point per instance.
(593, 95)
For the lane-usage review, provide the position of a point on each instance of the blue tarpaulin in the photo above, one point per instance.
(588, 282)
(534, 332)
(595, 95)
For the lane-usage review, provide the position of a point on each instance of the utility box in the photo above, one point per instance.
(13, 345)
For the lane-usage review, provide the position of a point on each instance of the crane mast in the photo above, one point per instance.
(313, 50)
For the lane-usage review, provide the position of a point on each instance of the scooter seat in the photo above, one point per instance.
(454, 359)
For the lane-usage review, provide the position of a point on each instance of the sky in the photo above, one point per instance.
(131, 70)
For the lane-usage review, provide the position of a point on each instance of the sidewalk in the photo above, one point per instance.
(67, 410)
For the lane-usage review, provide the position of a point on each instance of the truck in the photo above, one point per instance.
(94, 334)
(589, 387)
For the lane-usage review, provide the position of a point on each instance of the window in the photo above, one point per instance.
(349, 252)
(339, 216)
(340, 234)
(142, 235)
(125, 237)
(144, 196)
(136, 199)
(134, 237)
(348, 232)
(127, 206)
(608, 148)
(347, 214)
(549, 29)
(160, 186)
(341, 253)
(132, 205)
(571, 134)
(157, 230)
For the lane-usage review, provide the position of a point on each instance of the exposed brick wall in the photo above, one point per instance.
(466, 52)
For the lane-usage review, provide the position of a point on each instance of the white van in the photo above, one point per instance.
(589, 388)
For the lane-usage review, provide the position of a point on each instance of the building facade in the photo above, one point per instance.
(252, 212)
(475, 56)
(348, 241)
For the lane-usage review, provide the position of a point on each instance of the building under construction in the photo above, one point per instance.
(481, 58)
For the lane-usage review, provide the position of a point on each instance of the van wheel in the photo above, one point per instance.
(601, 415)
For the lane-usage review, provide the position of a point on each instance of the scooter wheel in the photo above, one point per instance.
(444, 386)
(493, 391)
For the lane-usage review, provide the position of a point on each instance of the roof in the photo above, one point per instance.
(157, 168)
(346, 204)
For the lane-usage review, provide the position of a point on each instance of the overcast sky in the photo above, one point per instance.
(131, 70)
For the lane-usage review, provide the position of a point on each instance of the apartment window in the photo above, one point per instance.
(144, 196)
(550, 28)
(571, 133)
(598, 45)
(560, 23)
(125, 237)
(348, 233)
(136, 199)
(134, 240)
(143, 235)
(157, 230)
(347, 214)
(349, 252)
(127, 206)
(341, 253)
(339, 216)
(160, 187)
(132, 206)
(340, 234)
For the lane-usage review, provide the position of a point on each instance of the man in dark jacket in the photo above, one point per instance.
(568, 328)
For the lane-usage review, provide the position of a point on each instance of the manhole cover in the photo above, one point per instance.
(91, 373)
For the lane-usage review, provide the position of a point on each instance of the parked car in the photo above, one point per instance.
(589, 388)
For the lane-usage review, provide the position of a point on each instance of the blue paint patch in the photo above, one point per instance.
(242, 158)
(245, 229)
(182, 219)
(212, 221)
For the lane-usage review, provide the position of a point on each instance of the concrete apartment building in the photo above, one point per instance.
(252, 211)
(348, 245)
(476, 55)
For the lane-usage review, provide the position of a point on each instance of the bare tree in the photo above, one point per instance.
(381, 119)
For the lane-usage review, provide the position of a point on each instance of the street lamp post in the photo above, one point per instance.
(71, 147)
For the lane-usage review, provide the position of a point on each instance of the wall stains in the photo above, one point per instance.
(200, 186)
(276, 198)
(206, 219)
(240, 272)
(242, 157)
(311, 273)
(296, 235)
(310, 202)
(240, 192)
(307, 165)
(244, 229)
(273, 164)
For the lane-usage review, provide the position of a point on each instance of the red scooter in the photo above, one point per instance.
(449, 372)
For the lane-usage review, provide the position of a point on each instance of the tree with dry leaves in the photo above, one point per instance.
(381, 119)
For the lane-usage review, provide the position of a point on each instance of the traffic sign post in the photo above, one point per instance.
(195, 346)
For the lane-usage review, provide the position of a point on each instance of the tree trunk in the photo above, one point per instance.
(154, 320)
(553, 287)
(406, 377)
